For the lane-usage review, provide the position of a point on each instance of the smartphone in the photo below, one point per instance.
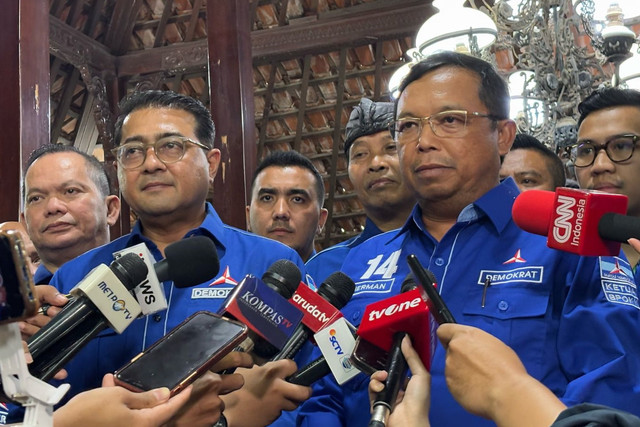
(17, 291)
(427, 280)
(368, 357)
(183, 355)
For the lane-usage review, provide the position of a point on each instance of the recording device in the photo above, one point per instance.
(17, 300)
(263, 306)
(320, 309)
(590, 223)
(103, 299)
(427, 280)
(183, 355)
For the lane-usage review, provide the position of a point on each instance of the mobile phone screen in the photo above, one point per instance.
(15, 289)
(368, 357)
(190, 347)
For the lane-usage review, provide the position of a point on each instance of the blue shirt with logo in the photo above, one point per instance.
(572, 320)
(240, 253)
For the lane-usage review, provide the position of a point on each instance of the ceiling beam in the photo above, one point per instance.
(352, 27)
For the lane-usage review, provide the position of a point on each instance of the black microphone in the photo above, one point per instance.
(337, 290)
(397, 368)
(187, 262)
(618, 228)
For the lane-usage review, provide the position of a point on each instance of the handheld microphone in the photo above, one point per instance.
(320, 309)
(190, 261)
(263, 306)
(589, 223)
(397, 372)
(102, 299)
(405, 312)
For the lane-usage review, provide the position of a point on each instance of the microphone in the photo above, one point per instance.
(188, 262)
(192, 260)
(385, 324)
(405, 312)
(102, 299)
(318, 368)
(263, 306)
(320, 309)
(589, 223)
(397, 368)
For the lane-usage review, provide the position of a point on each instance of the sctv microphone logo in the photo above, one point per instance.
(564, 225)
(334, 342)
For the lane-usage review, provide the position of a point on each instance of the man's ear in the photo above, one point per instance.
(213, 157)
(324, 214)
(248, 215)
(506, 135)
(113, 209)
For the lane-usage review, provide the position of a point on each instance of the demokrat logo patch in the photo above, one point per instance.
(218, 289)
(617, 281)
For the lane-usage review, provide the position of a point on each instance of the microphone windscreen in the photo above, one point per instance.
(191, 261)
(532, 211)
(283, 276)
(619, 228)
(408, 283)
(130, 270)
(338, 289)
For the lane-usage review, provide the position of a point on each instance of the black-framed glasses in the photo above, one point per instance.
(170, 149)
(446, 124)
(618, 148)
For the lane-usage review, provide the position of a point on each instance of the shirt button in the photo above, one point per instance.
(503, 305)
(157, 317)
(356, 316)
(439, 262)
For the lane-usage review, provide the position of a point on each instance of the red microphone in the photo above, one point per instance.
(573, 220)
(405, 312)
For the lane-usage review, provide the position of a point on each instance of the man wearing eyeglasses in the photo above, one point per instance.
(451, 127)
(605, 154)
(166, 164)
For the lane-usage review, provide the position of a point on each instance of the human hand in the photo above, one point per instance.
(635, 244)
(412, 405)
(265, 395)
(488, 379)
(205, 405)
(45, 294)
(115, 406)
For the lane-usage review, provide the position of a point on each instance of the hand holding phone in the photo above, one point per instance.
(427, 280)
(17, 300)
(183, 355)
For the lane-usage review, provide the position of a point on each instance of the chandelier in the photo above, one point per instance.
(553, 52)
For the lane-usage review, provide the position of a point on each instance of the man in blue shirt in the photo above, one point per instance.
(374, 171)
(604, 155)
(572, 320)
(166, 164)
(287, 195)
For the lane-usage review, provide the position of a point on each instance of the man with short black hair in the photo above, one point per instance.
(287, 195)
(605, 155)
(532, 165)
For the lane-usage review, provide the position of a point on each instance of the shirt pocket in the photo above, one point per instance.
(517, 314)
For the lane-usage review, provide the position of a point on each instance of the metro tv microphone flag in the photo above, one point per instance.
(590, 223)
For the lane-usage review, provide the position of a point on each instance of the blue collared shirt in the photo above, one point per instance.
(240, 253)
(572, 320)
(42, 276)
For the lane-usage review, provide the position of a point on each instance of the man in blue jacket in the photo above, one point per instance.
(554, 309)
(166, 164)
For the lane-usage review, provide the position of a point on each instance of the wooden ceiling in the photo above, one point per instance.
(312, 62)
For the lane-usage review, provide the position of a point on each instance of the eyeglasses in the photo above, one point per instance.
(168, 150)
(446, 124)
(619, 148)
